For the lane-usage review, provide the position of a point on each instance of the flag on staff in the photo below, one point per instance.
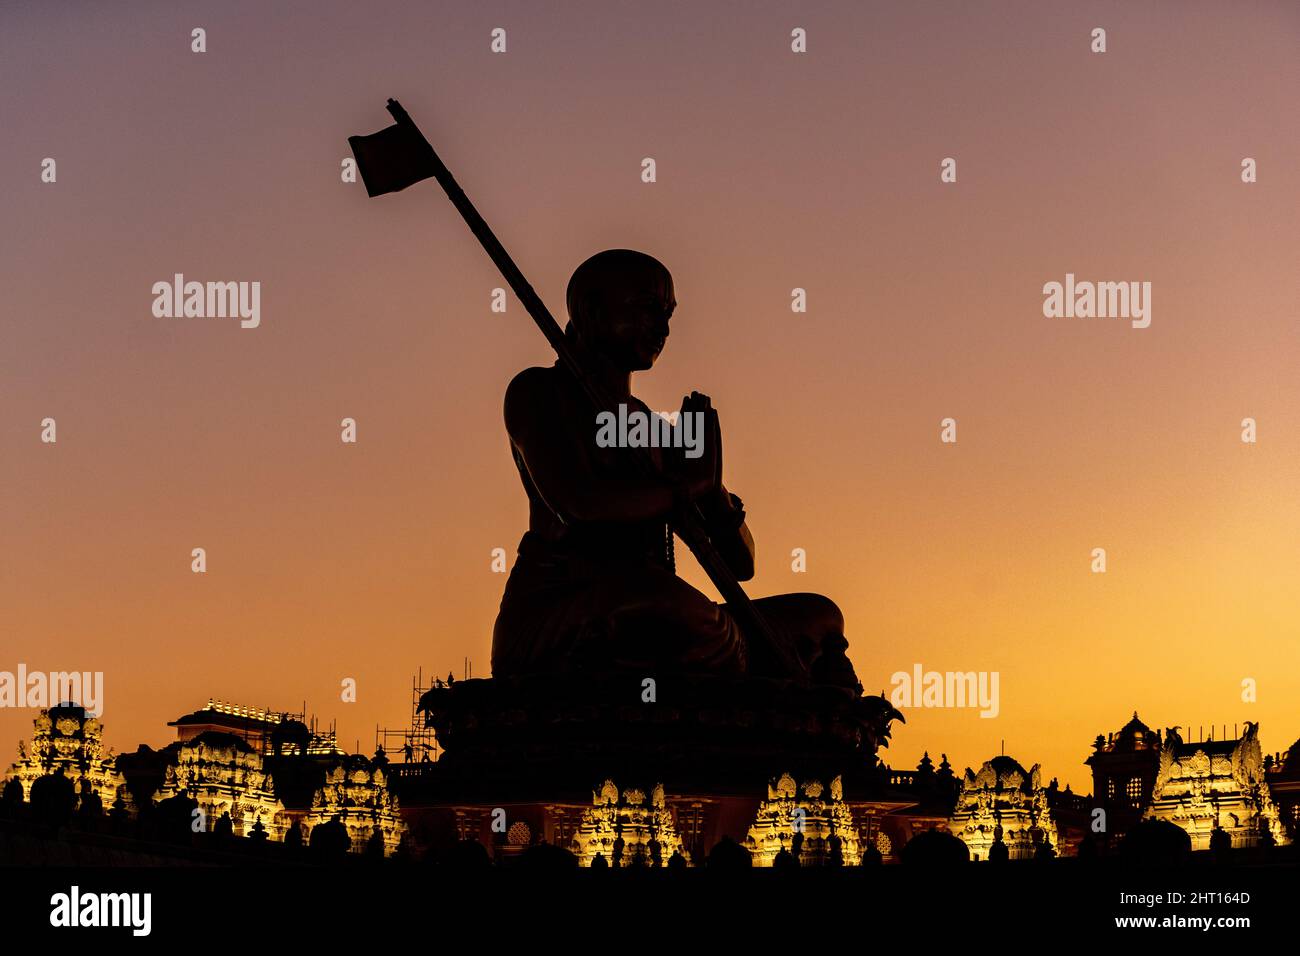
(393, 158)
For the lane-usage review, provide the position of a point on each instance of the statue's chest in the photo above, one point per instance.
(630, 431)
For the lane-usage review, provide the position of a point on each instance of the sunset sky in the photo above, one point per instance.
(775, 170)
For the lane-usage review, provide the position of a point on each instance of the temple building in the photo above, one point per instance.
(1004, 803)
(355, 791)
(269, 772)
(932, 794)
(1216, 783)
(226, 776)
(265, 731)
(1282, 774)
(811, 821)
(258, 764)
(627, 829)
(66, 737)
(1124, 767)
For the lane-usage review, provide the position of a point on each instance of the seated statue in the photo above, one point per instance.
(594, 586)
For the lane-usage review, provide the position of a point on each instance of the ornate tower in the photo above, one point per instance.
(225, 775)
(627, 829)
(1217, 782)
(356, 791)
(67, 737)
(1004, 800)
(1124, 767)
(814, 812)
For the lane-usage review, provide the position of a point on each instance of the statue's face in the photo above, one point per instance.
(633, 326)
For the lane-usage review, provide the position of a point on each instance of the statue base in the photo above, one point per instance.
(520, 739)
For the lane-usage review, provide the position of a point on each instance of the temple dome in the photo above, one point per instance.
(1135, 735)
(1002, 765)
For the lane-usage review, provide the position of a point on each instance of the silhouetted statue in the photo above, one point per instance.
(53, 798)
(784, 861)
(934, 848)
(1220, 844)
(676, 862)
(871, 855)
(374, 849)
(175, 818)
(224, 828)
(1266, 838)
(999, 852)
(594, 585)
(729, 855)
(1156, 842)
(330, 840)
(293, 837)
(91, 807)
(11, 799)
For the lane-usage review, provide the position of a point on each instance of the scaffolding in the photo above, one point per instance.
(415, 743)
(322, 742)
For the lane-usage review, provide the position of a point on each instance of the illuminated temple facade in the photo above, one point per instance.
(225, 776)
(67, 738)
(254, 766)
(814, 813)
(627, 828)
(1140, 773)
(356, 792)
(1006, 803)
(1216, 783)
(271, 773)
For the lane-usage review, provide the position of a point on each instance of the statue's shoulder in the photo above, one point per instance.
(538, 392)
(533, 380)
(544, 384)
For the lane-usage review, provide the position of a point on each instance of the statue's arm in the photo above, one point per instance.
(725, 516)
(555, 439)
(724, 513)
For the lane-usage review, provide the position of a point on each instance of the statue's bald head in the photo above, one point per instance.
(619, 302)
